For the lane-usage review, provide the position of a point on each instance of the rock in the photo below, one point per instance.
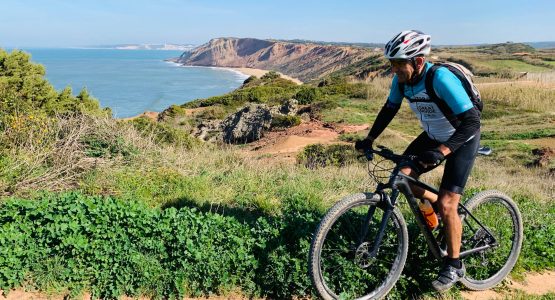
(209, 130)
(246, 125)
(288, 108)
(305, 117)
(544, 156)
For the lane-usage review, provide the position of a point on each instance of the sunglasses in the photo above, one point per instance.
(398, 62)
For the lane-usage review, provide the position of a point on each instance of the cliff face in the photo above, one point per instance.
(303, 61)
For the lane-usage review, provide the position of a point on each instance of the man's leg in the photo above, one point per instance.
(448, 204)
(452, 270)
(457, 170)
(417, 191)
(421, 144)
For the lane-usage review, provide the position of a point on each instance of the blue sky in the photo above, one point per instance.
(62, 23)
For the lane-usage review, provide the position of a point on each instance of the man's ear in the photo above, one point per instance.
(420, 60)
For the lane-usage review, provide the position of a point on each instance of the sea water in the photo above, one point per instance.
(131, 82)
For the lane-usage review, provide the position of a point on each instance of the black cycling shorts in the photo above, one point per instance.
(458, 164)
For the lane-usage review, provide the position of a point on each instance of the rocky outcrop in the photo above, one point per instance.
(302, 61)
(247, 124)
(209, 131)
(288, 108)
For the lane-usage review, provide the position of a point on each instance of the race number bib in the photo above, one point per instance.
(427, 110)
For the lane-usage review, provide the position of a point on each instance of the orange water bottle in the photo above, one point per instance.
(429, 213)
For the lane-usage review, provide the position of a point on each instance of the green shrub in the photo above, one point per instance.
(163, 133)
(97, 145)
(252, 80)
(73, 242)
(258, 94)
(76, 242)
(350, 137)
(325, 104)
(318, 155)
(280, 121)
(269, 76)
(212, 113)
(307, 95)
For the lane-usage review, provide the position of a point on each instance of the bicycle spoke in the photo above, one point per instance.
(498, 219)
(345, 255)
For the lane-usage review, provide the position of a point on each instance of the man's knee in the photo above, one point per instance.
(448, 202)
(410, 172)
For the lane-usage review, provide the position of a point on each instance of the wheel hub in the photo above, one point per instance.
(363, 257)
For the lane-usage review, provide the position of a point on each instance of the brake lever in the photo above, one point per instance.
(369, 155)
(385, 150)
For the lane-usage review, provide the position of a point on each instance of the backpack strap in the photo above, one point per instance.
(429, 82)
(401, 87)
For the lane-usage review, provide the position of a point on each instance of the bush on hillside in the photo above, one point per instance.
(54, 153)
(163, 133)
(257, 94)
(251, 80)
(269, 76)
(280, 121)
(317, 155)
(23, 90)
(307, 94)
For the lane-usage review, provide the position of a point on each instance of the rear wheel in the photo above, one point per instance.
(502, 229)
(343, 262)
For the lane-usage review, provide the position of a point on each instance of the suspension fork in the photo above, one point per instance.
(389, 203)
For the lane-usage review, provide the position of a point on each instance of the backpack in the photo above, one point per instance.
(463, 74)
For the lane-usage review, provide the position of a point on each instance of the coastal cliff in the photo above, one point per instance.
(304, 61)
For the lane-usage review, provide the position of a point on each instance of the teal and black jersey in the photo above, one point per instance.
(438, 118)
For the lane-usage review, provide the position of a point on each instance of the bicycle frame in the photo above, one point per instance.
(400, 183)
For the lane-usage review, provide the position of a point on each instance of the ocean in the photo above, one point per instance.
(131, 82)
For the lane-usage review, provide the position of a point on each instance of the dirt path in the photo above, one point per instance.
(534, 284)
(285, 144)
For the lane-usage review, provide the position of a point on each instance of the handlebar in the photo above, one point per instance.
(387, 154)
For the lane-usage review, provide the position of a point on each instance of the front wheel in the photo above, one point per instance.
(502, 230)
(343, 262)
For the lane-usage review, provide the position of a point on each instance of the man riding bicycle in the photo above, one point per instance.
(451, 124)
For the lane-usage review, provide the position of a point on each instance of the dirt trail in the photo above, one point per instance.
(292, 140)
(534, 284)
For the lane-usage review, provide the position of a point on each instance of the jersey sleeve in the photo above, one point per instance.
(449, 88)
(395, 96)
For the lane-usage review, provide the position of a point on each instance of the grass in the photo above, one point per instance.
(518, 98)
(514, 66)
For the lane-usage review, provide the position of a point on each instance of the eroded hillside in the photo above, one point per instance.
(303, 61)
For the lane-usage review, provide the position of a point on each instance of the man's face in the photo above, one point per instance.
(403, 69)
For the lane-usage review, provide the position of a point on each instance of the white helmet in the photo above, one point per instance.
(407, 45)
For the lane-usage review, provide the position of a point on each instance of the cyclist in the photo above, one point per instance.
(451, 132)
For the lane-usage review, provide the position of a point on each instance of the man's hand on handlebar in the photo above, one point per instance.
(364, 144)
(432, 158)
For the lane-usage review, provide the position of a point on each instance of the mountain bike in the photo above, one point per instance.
(360, 247)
